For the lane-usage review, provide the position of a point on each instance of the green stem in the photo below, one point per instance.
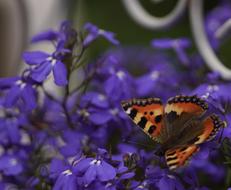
(228, 177)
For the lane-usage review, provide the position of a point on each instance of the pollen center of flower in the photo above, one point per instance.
(20, 83)
(13, 162)
(100, 31)
(51, 60)
(120, 74)
(114, 111)
(84, 113)
(155, 75)
(101, 97)
(95, 162)
(212, 88)
(67, 172)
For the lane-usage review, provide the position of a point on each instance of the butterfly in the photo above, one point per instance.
(180, 126)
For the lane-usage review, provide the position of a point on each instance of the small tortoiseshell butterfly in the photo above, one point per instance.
(179, 126)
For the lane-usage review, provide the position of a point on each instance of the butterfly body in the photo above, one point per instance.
(179, 126)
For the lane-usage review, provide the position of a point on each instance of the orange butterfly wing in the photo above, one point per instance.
(177, 157)
(147, 114)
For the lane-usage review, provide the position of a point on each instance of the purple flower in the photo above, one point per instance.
(93, 169)
(49, 35)
(119, 80)
(10, 122)
(65, 178)
(64, 38)
(19, 88)
(170, 182)
(94, 32)
(44, 63)
(153, 82)
(71, 145)
(10, 165)
(214, 21)
(179, 45)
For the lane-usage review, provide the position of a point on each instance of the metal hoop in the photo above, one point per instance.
(201, 40)
(140, 15)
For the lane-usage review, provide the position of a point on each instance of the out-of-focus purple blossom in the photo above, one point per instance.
(178, 45)
(19, 88)
(49, 35)
(10, 122)
(170, 182)
(94, 32)
(71, 145)
(214, 20)
(10, 165)
(64, 38)
(119, 80)
(153, 82)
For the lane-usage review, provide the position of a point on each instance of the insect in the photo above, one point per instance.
(180, 126)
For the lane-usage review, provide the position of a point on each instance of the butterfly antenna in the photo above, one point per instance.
(136, 143)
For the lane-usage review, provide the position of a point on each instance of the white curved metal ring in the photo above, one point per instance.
(201, 40)
(140, 15)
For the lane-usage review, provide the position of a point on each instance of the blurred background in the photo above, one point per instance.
(21, 19)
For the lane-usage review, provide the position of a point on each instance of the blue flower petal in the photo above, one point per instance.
(127, 175)
(56, 167)
(47, 35)
(105, 171)
(29, 97)
(60, 74)
(35, 57)
(67, 182)
(83, 165)
(12, 96)
(7, 82)
(13, 130)
(10, 165)
(41, 73)
(90, 174)
(100, 118)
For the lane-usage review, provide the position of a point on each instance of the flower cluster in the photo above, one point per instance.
(82, 139)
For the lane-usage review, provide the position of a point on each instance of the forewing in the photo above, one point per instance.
(177, 157)
(147, 114)
(178, 111)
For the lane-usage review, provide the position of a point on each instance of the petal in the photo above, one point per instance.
(13, 130)
(60, 74)
(10, 165)
(91, 27)
(90, 174)
(110, 36)
(70, 150)
(47, 35)
(127, 175)
(164, 43)
(12, 96)
(100, 118)
(41, 73)
(89, 39)
(56, 167)
(182, 55)
(7, 82)
(83, 165)
(34, 57)
(67, 182)
(105, 171)
(29, 97)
